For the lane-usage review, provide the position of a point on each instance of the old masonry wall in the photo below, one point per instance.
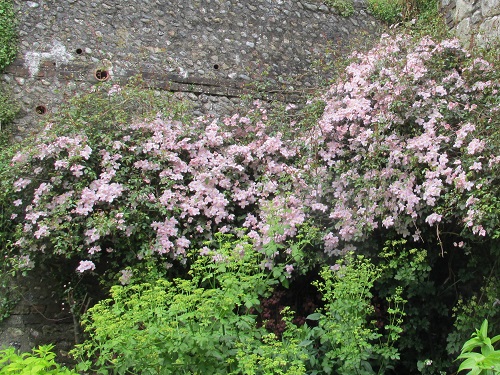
(209, 51)
(476, 22)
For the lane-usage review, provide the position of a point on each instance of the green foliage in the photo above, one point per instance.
(8, 264)
(407, 268)
(8, 111)
(389, 11)
(40, 362)
(107, 108)
(470, 312)
(206, 324)
(487, 361)
(8, 34)
(8, 50)
(344, 7)
(419, 17)
(269, 355)
(192, 325)
(351, 343)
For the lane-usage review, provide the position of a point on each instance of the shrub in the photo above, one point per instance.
(397, 157)
(206, 322)
(199, 324)
(100, 182)
(414, 124)
(409, 139)
(350, 341)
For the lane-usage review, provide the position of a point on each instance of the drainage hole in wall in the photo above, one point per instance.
(216, 66)
(41, 110)
(101, 75)
(79, 51)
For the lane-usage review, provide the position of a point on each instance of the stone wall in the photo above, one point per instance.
(212, 49)
(40, 317)
(476, 22)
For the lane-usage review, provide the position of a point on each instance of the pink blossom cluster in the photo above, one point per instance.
(401, 142)
(85, 265)
(157, 188)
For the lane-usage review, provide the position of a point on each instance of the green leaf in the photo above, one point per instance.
(36, 369)
(314, 316)
(493, 358)
(277, 272)
(487, 349)
(285, 282)
(476, 356)
(468, 364)
(471, 344)
(475, 371)
(483, 331)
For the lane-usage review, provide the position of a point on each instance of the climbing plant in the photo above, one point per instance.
(8, 50)
(8, 34)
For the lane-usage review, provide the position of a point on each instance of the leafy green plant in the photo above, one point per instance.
(469, 312)
(419, 17)
(344, 7)
(8, 264)
(270, 355)
(408, 268)
(8, 34)
(8, 50)
(8, 111)
(189, 325)
(423, 339)
(206, 324)
(487, 360)
(389, 11)
(350, 341)
(40, 362)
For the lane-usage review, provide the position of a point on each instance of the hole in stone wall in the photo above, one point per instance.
(41, 110)
(79, 51)
(216, 66)
(101, 75)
